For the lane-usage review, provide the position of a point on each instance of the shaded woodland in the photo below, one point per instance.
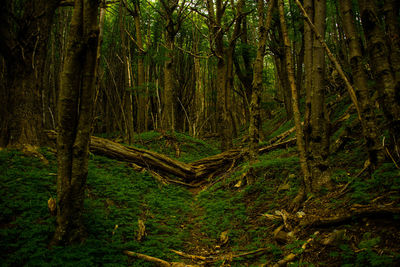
(271, 129)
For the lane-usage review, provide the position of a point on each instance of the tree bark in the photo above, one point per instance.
(296, 112)
(23, 47)
(308, 63)
(75, 106)
(141, 91)
(382, 69)
(169, 79)
(126, 81)
(368, 122)
(264, 23)
(319, 138)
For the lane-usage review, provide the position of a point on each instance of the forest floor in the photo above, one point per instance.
(240, 219)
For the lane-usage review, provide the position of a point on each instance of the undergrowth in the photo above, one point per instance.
(116, 198)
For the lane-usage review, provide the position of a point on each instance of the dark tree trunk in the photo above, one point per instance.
(23, 47)
(368, 122)
(382, 69)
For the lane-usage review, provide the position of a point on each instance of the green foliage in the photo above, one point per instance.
(366, 254)
(385, 178)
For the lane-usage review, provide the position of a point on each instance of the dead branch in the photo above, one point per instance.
(282, 136)
(157, 261)
(229, 256)
(292, 256)
(290, 142)
(355, 213)
(189, 256)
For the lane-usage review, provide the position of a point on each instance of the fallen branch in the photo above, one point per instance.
(229, 256)
(290, 142)
(189, 256)
(292, 256)
(356, 212)
(157, 261)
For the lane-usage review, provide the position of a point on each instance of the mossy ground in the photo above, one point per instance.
(194, 220)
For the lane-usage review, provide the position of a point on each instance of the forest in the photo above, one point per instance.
(200, 133)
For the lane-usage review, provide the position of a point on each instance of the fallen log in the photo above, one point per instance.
(142, 157)
(163, 165)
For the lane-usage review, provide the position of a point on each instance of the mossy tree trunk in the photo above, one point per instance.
(77, 83)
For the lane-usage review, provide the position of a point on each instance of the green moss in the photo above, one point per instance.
(116, 195)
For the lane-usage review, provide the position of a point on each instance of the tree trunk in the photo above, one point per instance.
(296, 112)
(308, 63)
(382, 69)
(368, 122)
(264, 23)
(75, 106)
(391, 10)
(24, 48)
(127, 82)
(169, 68)
(319, 139)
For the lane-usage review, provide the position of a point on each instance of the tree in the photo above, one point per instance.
(368, 122)
(382, 68)
(307, 179)
(141, 94)
(319, 136)
(24, 31)
(127, 77)
(172, 25)
(224, 55)
(255, 108)
(75, 106)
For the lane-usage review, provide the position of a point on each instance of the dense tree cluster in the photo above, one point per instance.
(204, 67)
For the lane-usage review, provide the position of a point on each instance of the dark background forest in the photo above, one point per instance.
(215, 132)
